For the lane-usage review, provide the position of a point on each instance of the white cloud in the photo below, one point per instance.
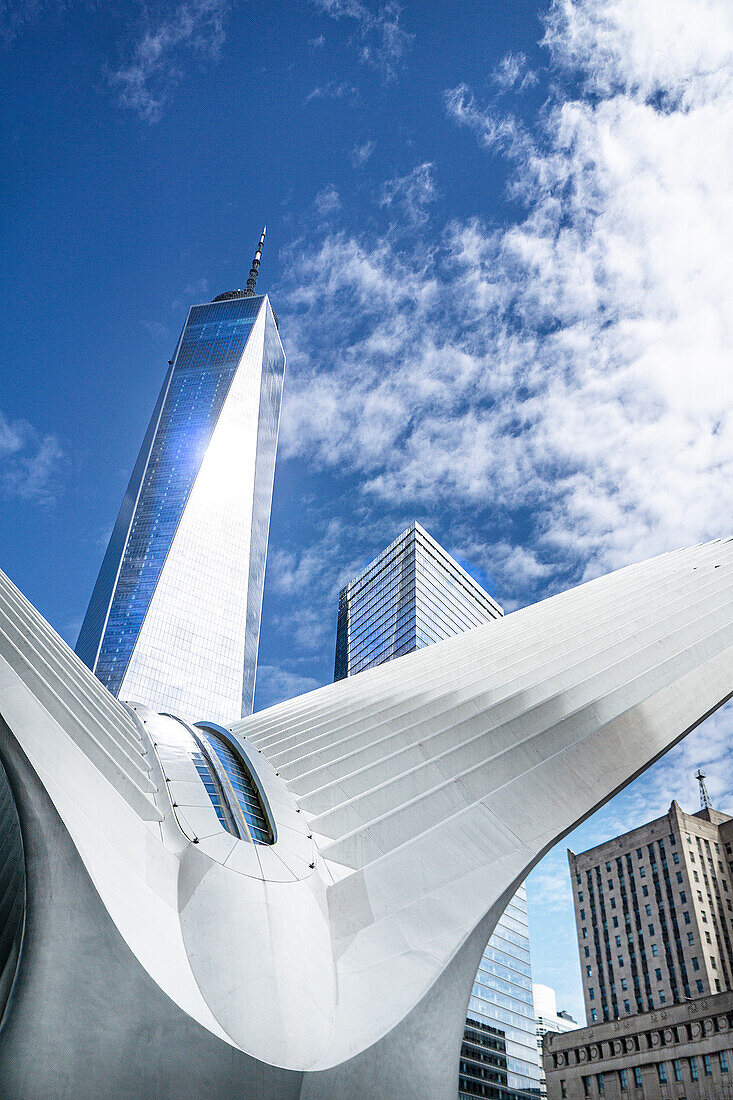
(382, 41)
(30, 463)
(360, 154)
(275, 684)
(333, 89)
(144, 82)
(512, 73)
(327, 201)
(577, 364)
(411, 193)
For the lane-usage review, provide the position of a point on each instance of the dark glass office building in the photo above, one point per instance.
(174, 618)
(413, 594)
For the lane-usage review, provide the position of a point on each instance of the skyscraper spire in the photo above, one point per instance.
(705, 803)
(254, 270)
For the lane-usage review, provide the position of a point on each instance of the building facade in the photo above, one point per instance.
(174, 617)
(413, 594)
(680, 1052)
(549, 1020)
(654, 914)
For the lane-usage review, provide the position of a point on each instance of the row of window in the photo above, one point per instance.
(675, 1069)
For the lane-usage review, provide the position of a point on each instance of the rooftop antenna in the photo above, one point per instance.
(255, 269)
(705, 803)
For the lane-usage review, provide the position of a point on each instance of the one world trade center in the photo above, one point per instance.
(174, 618)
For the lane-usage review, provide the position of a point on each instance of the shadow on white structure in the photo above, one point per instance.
(150, 948)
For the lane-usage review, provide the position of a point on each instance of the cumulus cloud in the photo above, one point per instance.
(382, 41)
(144, 81)
(30, 463)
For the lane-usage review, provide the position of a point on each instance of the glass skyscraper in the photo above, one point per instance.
(174, 617)
(413, 594)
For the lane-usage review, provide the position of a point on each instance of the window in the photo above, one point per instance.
(580, 895)
(707, 1065)
(615, 920)
(642, 872)
(662, 997)
(679, 876)
(723, 1061)
(690, 938)
(601, 1084)
(608, 866)
(677, 1067)
(618, 941)
(589, 970)
(586, 1086)
(563, 1088)
(587, 952)
(717, 985)
(695, 876)
(623, 983)
(695, 962)
(683, 897)
(655, 950)
(698, 983)
(651, 929)
(582, 914)
(645, 891)
(620, 960)
(658, 973)
(577, 879)
(591, 994)
(675, 857)
(613, 903)
(693, 1068)
(648, 910)
(638, 853)
(623, 1079)
(593, 1014)
(626, 1007)
(585, 933)
(713, 963)
(637, 1076)
(662, 1071)
(235, 782)
(610, 884)
(686, 916)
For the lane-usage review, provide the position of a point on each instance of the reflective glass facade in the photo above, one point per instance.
(174, 617)
(413, 594)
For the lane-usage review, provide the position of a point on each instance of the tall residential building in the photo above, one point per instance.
(174, 617)
(654, 914)
(413, 594)
(549, 1021)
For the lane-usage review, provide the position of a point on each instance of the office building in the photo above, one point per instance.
(548, 1020)
(296, 904)
(412, 595)
(654, 914)
(679, 1052)
(174, 617)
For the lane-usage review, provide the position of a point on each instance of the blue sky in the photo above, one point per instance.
(499, 242)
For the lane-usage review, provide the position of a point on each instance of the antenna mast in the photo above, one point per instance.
(254, 270)
(705, 803)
